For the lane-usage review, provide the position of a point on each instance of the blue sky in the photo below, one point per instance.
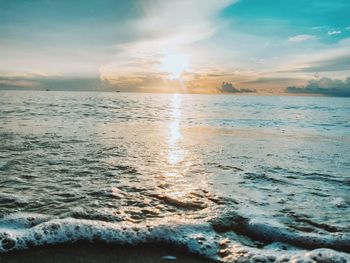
(156, 45)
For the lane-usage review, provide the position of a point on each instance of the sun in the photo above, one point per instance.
(174, 64)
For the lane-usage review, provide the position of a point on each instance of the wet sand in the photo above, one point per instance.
(88, 253)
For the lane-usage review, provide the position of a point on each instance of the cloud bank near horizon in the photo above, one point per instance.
(324, 86)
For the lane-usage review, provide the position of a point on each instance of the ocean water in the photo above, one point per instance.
(233, 178)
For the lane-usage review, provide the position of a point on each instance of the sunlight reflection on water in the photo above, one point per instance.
(177, 160)
(175, 153)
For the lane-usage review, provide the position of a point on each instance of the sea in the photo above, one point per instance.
(232, 178)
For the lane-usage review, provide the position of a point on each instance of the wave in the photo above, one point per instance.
(229, 237)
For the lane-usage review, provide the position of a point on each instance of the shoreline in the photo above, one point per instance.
(101, 252)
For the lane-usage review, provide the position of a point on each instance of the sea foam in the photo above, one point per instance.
(22, 231)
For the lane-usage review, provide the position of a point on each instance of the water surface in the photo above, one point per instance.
(279, 164)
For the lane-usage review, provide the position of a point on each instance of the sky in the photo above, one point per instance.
(174, 46)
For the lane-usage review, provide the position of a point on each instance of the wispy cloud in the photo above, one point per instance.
(301, 38)
(319, 27)
(327, 59)
(333, 32)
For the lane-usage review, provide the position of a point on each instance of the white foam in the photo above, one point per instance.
(197, 237)
(22, 220)
(272, 231)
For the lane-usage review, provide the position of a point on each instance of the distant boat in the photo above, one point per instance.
(117, 91)
(47, 89)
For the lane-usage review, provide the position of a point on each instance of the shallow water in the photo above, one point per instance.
(278, 166)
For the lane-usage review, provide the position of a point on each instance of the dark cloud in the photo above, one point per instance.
(324, 86)
(227, 87)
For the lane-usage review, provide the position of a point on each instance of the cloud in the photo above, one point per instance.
(169, 27)
(227, 87)
(318, 27)
(335, 58)
(18, 82)
(145, 82)
(324, 86)
(337, 63)
(40, 82)
(301, 38)
(274, 81)
(333, 32)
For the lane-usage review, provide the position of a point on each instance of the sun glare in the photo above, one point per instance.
(175, 65)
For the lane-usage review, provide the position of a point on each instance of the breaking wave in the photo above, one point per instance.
(229, 237)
